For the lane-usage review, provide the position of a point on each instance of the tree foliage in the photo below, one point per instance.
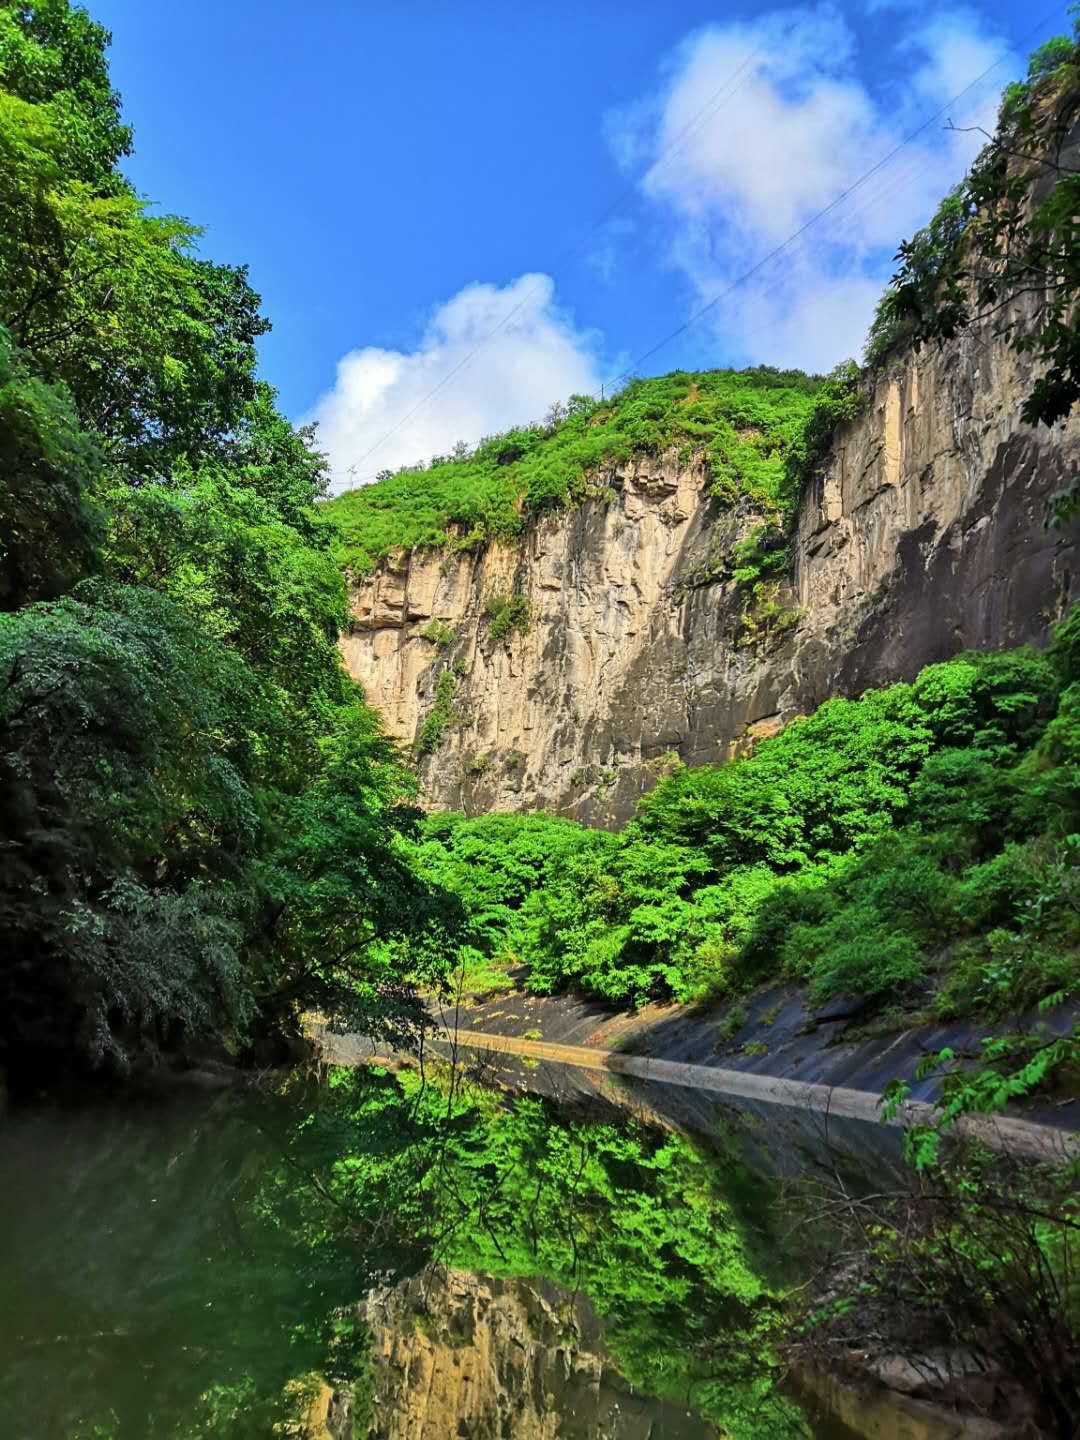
(921, 828)
(757, 431)
(202, 822)
(1003, 247)
(50, 527)
(155, 345)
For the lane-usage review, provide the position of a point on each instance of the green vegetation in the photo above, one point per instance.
(438, 633)
(493, 864)
(759, 431)
(442, 713)
(653, 1231)
(202, 821)
(507, 615)
(923, 834)
(259, 1222)
(975, 1254)
(1007, 236)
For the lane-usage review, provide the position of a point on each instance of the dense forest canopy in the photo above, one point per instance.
(202, 819)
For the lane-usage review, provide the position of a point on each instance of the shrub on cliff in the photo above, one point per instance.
(755, 430)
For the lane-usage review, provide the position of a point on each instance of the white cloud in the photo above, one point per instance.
(536, 357)
(795, 125)
(603, 258)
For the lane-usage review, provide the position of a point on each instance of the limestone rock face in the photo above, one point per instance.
(921, 535)
(458, 1354)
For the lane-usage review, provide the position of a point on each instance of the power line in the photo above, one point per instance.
(714, 103)
(719, 97)
(820, 214)
(884, 193)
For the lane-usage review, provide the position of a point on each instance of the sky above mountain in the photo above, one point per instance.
(460, 213)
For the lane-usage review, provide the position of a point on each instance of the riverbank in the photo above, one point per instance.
(774, 1035)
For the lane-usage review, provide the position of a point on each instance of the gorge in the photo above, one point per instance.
(921, 534)
(577, 938)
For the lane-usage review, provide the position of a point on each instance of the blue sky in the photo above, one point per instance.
(402, 178)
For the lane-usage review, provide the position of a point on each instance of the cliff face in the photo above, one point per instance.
(920, 536)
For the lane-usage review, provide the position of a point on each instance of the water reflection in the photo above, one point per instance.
(455, 1353)
(330, 1260)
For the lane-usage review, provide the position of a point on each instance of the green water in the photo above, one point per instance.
(203, 1268)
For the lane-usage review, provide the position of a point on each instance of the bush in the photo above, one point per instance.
(507, 614)
(441, 715)
(859, 849)
(872, 963)
(436, 633)
(749, 426)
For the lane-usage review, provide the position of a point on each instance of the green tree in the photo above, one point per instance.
(50, 529)
(1003, 247)
(156, 346)
(203, 821)
(128, 810)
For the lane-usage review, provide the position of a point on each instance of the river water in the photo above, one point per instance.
(397, 1256)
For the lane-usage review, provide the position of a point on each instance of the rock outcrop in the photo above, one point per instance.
(921, 535)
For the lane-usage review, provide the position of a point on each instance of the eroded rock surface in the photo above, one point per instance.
(922, 535)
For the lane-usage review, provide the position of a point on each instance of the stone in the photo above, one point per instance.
(921, 535)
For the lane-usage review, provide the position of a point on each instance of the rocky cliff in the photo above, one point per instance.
(921, 535)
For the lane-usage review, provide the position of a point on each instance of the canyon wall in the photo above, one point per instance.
(920, 535)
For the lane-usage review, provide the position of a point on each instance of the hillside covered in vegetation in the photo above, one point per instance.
(200, 817)
(921, 837)
(757, 431)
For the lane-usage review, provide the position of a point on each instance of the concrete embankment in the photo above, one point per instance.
(779, 1054)
(1019, 1136)
(774, 1035)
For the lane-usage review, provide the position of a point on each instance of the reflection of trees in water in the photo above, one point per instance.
(176, 1272)
(634, 1217)
(168, 1273)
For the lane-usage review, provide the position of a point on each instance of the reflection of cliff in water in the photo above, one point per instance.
(456, 1354)
(397, 1257)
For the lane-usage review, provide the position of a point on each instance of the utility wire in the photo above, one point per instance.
(820, 214)
(715, 102)
(880, 196)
